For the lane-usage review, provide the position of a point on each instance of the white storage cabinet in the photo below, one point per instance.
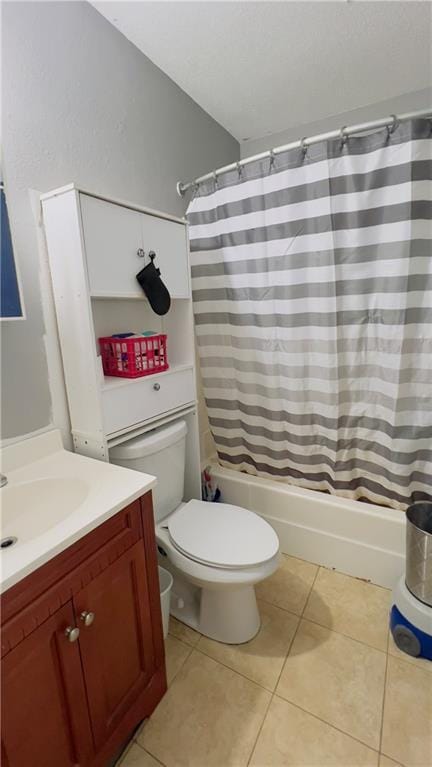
(95, 248)
(117, 242)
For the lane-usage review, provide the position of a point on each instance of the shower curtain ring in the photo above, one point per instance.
(239, 169)
(303, 146)
(391, 128)
(215, 177)
(344, 136)
(272, 158)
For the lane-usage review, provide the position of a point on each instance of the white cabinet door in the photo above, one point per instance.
(112, 236)
(168, 240)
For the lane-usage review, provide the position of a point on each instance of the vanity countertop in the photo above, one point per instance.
(53, 498)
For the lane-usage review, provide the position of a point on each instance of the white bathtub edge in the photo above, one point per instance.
(352, 537)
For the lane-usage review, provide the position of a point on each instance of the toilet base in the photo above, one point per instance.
(230, 615)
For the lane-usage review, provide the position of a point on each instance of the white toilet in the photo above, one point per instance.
(216, 552)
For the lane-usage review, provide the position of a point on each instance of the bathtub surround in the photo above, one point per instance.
(311, 277)
(80, 102)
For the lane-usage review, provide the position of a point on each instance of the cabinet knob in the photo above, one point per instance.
(87, 617)
(140, 253)
(156, 386)
(72, 633)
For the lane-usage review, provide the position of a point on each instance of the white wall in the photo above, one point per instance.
(408, 102)
(82, 104)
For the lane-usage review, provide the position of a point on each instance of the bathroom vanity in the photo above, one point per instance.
(82, 644)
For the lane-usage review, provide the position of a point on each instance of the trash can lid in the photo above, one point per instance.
(420, 515)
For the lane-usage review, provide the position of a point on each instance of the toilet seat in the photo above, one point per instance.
(222, 535)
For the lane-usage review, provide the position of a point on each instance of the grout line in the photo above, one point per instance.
(398, 763)
(149, 752)
(125, 752)
(279, 607)
(180, 667)
(187, 644)
(288, 652)
(259, 730)
(333, 726)
(183, 641)
(283, 664)
(342, 634)
(384, 698)
(267, 689)
(234, 670)
(276, 607)
(141, 727)
(330, 628)
(309, 593)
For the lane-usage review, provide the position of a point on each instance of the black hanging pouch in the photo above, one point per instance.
(153, 287)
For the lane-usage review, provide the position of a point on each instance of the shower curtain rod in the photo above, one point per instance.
(348, 130)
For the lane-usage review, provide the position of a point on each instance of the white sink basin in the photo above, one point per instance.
(29, 509)
(53, 498)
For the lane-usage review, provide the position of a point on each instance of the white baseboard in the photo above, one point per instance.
(360, 539)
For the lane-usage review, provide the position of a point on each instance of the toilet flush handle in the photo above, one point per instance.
(156, 386)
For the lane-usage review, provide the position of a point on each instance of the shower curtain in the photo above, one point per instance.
(312, 289)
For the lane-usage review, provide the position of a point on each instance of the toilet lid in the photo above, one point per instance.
(222, 535)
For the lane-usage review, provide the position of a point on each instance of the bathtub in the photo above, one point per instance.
(356, 538)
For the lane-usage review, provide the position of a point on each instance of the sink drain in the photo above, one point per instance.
(6, 543)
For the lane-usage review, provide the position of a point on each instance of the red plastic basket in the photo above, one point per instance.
(134, 357)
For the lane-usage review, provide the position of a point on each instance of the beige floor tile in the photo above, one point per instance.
(421, 663)
(337, 679)
(137, 757)
(292, 737)
(262, 658)
(384, 761)
(407, 726)
(290, 585)
(183, 632)
(210, 717)
(350, 606)
(176, 653)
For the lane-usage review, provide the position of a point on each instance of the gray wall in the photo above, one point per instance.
(82, 104)
(409, 102)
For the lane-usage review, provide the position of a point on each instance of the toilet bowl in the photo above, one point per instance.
(216, 552)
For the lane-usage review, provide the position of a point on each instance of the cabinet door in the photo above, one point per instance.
(112, 236)
(44, 707)
(168, 240)
(117, 648)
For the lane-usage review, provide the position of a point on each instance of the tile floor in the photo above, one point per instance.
(321, 685)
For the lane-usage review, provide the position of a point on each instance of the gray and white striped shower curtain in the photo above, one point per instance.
(312, 286)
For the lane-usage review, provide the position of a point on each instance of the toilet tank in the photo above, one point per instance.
(160, 452)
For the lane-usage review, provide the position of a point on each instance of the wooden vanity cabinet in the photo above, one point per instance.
(82, 648)
(44, 716)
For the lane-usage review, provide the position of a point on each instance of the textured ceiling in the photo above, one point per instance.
(263, 67)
